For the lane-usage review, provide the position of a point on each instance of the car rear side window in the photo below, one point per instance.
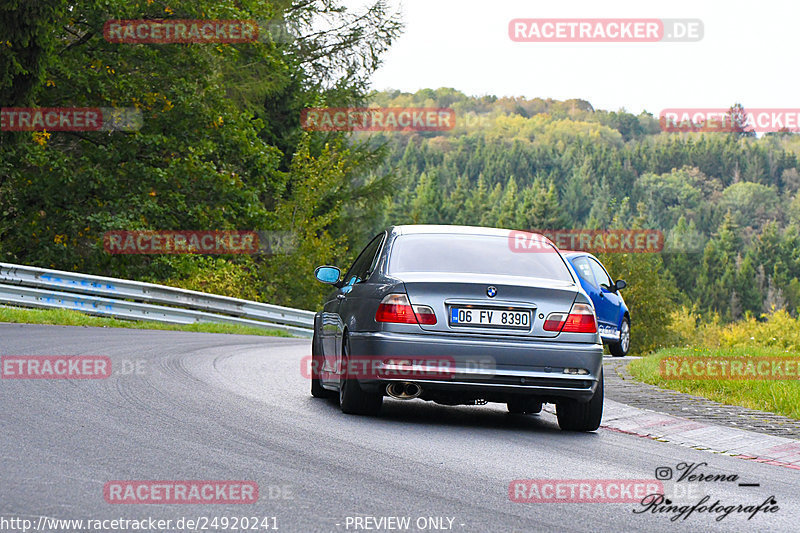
(473, 254)
(363, 264)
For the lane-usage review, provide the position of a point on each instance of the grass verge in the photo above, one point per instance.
(68, 317)
(776, 396)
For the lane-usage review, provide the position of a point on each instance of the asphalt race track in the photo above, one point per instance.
(195, 406)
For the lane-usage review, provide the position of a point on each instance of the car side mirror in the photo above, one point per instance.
(328, 274)
(620, 284)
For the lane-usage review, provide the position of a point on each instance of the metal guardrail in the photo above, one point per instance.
(28, 286)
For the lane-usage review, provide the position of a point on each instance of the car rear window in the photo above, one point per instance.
(473, 254)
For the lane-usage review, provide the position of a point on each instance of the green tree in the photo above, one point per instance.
(751, 204)
(477, 204)
(649, 296)
(456, 205)
(426, 206)
(505, 215)
(540, 208)
(29, 44)
(668, 197)
(219, 136)
(718, 278)
(683, 249)
(738, 121)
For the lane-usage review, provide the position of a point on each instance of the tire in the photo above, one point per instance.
(353, 400)
(575, 416)
(317, 390)
(524, 406)
(620, 349)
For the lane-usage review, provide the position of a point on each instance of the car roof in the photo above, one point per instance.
(577, 253)
(432, 229)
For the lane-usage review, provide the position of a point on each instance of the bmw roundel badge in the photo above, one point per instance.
(491, 291)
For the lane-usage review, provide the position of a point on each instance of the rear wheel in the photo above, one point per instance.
(575, 416)
(317, 391)
(352, 399)
(620, 349)
(524, 406)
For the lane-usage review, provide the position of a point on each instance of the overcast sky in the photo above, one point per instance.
(749, 54)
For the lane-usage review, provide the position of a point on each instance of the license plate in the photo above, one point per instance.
(496, 318)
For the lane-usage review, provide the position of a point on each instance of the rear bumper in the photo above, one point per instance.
(491, 368)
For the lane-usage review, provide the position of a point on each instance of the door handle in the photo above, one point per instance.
(340, 296)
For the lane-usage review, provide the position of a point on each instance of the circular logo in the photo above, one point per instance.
(491, 291)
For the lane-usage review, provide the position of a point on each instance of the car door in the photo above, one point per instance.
(330, 325)
(341, 306)
(609, 301)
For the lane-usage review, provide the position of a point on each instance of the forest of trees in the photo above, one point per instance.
(727, 203)
(221, 147)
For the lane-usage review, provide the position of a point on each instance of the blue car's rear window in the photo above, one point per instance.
(473, 254)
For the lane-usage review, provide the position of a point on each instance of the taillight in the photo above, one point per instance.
(580, 319)
(425, 314)
(396, 308)
(555, 321)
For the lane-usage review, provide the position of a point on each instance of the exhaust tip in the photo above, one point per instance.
(403, 390)
(412, 389)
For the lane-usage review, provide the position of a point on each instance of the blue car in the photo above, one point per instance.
(613, 317)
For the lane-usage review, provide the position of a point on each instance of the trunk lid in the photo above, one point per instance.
(452, 295)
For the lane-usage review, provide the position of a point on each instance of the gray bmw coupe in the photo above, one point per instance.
(459, 315)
